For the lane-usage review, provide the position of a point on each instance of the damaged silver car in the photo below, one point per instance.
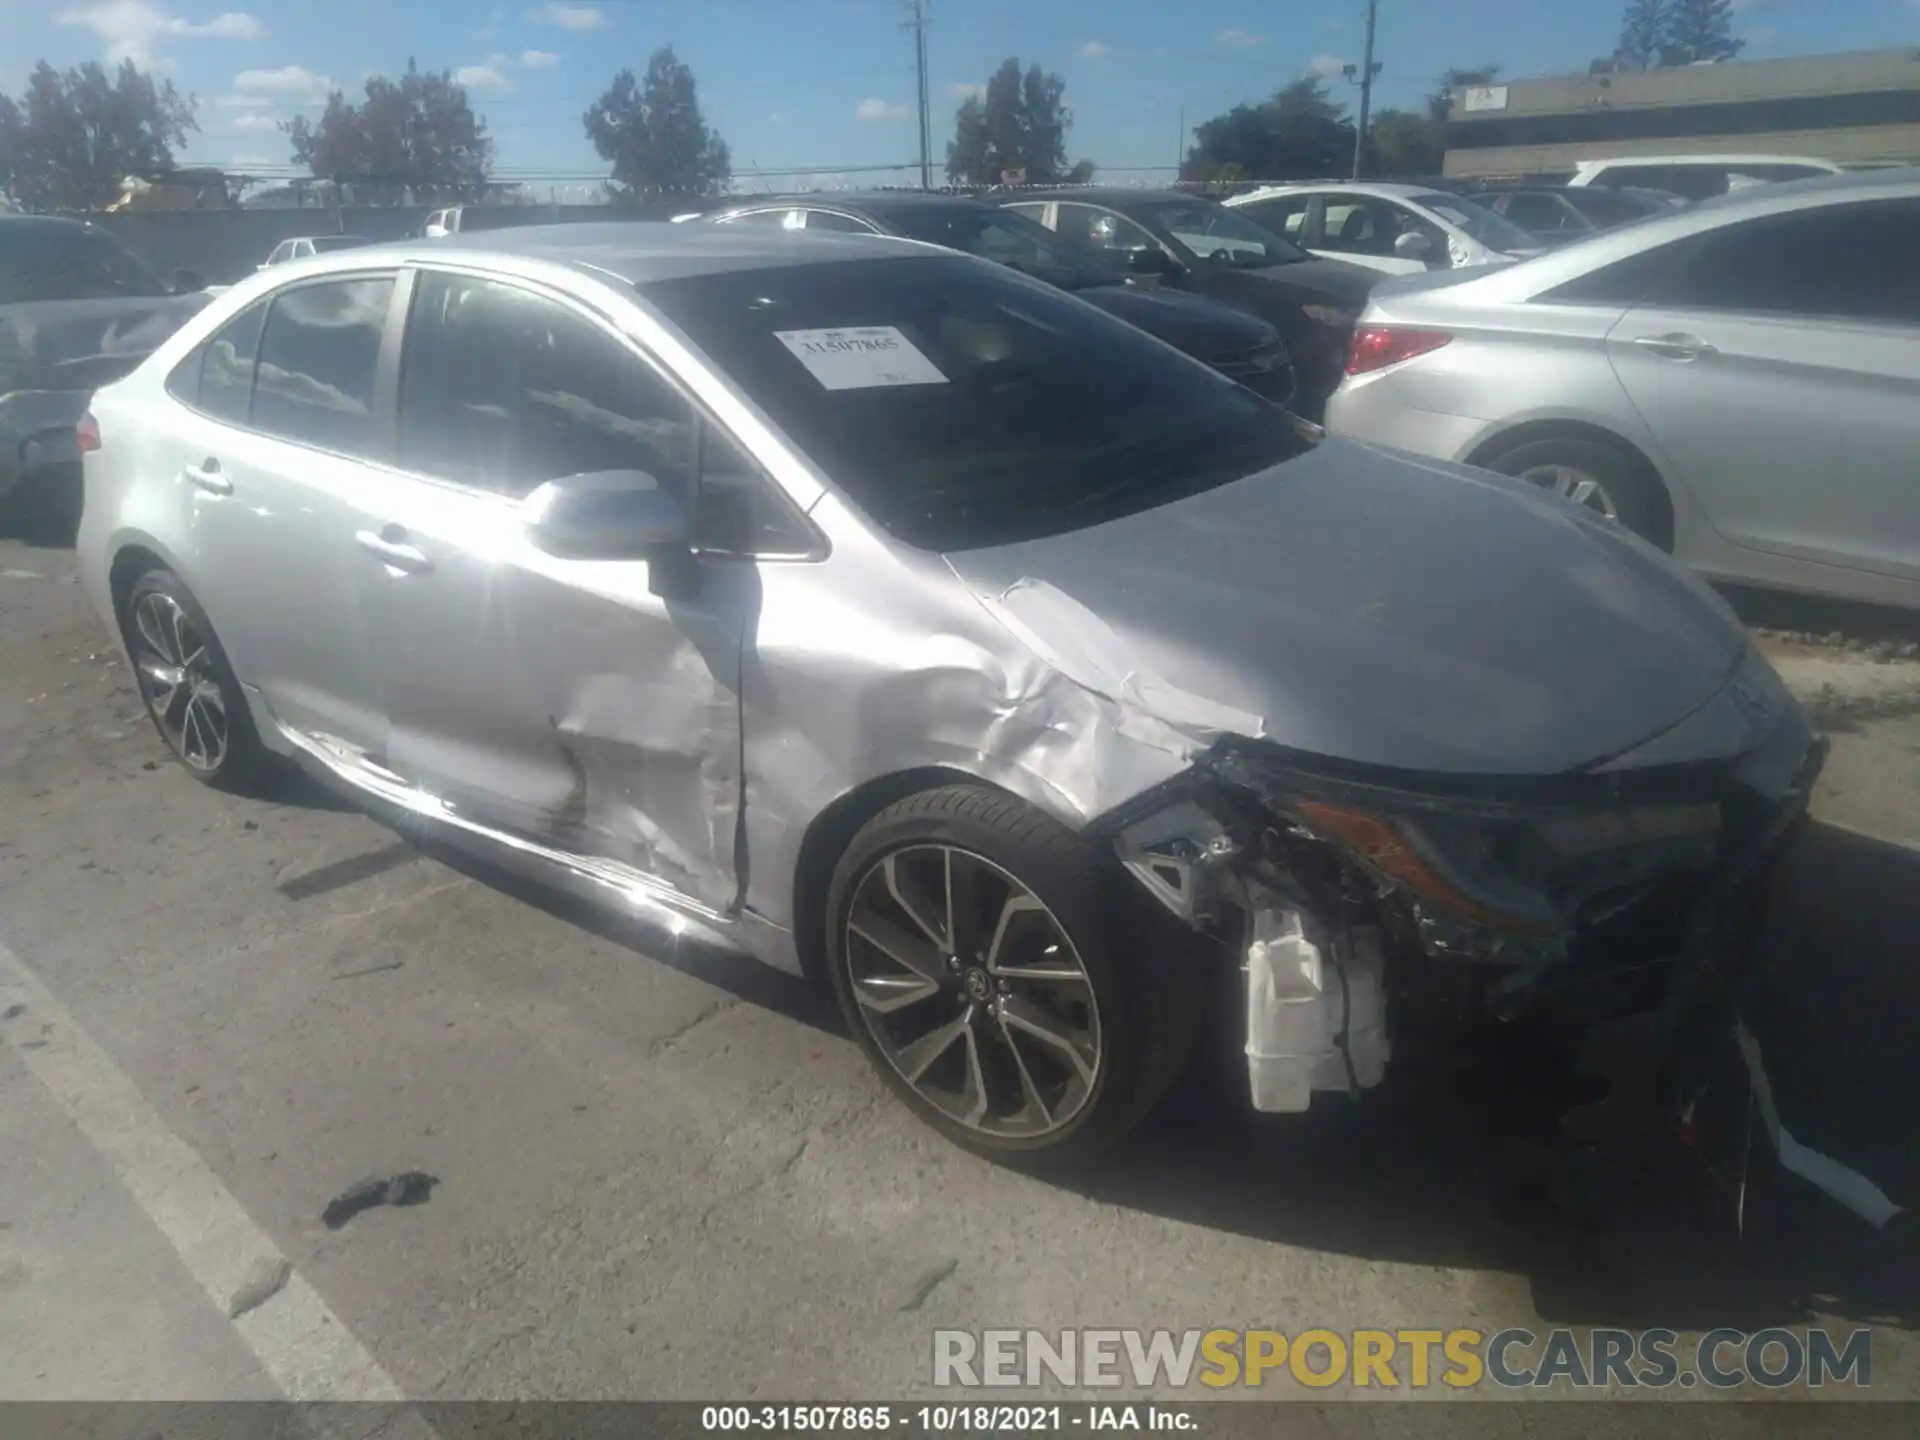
(911, 624)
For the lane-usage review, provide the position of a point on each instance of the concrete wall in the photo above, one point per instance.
(224, 245)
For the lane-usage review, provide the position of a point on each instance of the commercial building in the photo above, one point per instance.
(1855, 108)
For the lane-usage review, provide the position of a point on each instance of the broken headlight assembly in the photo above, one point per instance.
(1338, 893)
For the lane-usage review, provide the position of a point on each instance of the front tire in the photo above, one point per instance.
(1601, 478)
(188, 686)
(992, 968)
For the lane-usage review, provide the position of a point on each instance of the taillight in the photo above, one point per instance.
(87, 434)
(1374, 347)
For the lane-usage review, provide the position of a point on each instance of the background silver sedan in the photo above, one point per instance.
(883, 612)
(1738, 382)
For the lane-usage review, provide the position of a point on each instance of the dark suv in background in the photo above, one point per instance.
(1192, 244)
(77, 310)
(1236, 344)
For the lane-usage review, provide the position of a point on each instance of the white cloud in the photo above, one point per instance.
(243, 102)
(568, 17)
(777, 118)
(962, 90)
(253, 121)
(1234, 38)
(1095, 50)
(490, 74)
(131, 29)
(1326, 65)
(538, 59)
(880, 110)
(253, 161)
(287, 80)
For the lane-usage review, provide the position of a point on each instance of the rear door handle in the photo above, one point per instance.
(206, 476)
(394, 551)
(1676, 347)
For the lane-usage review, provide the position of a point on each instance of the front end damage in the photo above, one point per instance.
(1372, 911)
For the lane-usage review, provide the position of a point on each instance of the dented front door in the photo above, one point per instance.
(559, 699)
(553, 698)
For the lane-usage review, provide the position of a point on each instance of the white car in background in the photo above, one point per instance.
(1698, 177)
(1738, 382)
(1396, 229)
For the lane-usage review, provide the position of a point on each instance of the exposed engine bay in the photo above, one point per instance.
(1368, 907)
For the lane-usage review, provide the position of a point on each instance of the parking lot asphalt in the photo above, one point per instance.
(662, 1172)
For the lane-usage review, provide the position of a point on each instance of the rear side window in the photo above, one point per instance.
(319, 355)
(217, 378)
(1625, 282)
(1284, 213)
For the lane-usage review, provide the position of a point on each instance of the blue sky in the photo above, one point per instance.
(829, 83)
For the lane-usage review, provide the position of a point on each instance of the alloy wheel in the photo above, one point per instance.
(1576, 485)
(973, 991)
(177, 680)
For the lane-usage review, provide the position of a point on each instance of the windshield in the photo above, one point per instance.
(324, 243)
(1611, 207)
(1006, 239)
(68, 262)
(1213, 232)
(959, 406)
(1480, 223)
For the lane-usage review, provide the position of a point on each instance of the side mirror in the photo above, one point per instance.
(609, 515)
(1413, 246)
(185, 282)
(1151, 260)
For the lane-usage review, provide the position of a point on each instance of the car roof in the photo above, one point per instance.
(1589, 166)
(1114, 195)
(859, 201)
(644, 252)
(1380, 189)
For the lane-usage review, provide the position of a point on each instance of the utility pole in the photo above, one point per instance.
(1363, 75)
(918, 24)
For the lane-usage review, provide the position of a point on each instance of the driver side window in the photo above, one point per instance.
(503, 389)
(1103, 229)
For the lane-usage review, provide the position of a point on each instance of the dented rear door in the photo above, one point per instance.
(549, 697)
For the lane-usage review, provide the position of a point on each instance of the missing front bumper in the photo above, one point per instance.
(1316, 1014)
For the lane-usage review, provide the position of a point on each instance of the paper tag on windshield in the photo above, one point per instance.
(860, 359)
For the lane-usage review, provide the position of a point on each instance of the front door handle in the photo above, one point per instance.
(206, 476)
(394, 551)
(1676, 346)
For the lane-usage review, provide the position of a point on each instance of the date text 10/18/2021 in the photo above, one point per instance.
(983, 1419)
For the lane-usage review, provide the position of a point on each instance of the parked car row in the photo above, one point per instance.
(906, 622)
(1738, 381)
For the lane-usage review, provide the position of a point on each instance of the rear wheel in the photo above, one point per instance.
(1604, 479)
(994, 972)
(189, 688)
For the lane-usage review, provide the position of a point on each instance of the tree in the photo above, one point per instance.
(1020, 125)
(1699, 30)
(72, 138)
(1440, 103)
(1400, 142)
(1643, 34)
(653, 133)
(1299, 133)
(416, 134)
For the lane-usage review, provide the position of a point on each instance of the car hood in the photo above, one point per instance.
(1372, 609)
(1201, 327)
(84, 344)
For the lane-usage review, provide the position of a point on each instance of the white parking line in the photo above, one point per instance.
(302, 1344)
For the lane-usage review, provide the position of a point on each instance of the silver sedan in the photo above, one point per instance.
(1738, 382)
(915, 626)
